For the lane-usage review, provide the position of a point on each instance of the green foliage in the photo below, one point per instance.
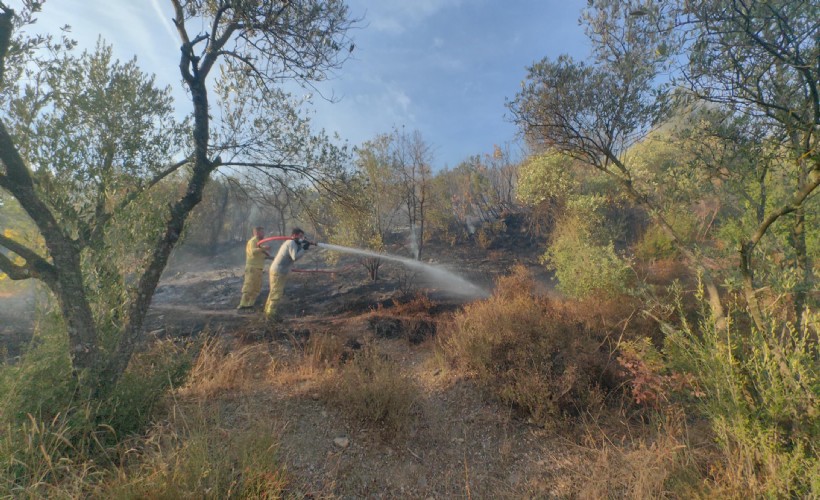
(761, 392)
(546, 177)
(583, 262)
(526, 352)
(41, 383)
(655, 243)
(138, 394)
(368, 211)
(53, 426)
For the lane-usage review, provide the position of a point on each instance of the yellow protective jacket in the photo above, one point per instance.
(254, 256)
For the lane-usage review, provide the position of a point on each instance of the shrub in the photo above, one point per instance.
(150, 375)
(583, 265)
(655, 244)
(761, 394)
(487, 235)
(55, 435)
(527, 353)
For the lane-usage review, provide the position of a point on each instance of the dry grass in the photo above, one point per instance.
(641, 470)
(647, 462)
(198, 454)
(374, 390)
(306, 362)
(219, 368)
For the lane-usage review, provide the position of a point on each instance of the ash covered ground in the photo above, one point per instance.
(199, 292)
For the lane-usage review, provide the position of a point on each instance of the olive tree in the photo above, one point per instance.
(760, 59)
(237, 51)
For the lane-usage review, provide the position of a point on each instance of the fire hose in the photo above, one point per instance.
(295, 270)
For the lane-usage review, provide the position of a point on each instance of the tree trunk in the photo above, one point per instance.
(65, 274)
(173, 228)
(749, 289)
(802, 266)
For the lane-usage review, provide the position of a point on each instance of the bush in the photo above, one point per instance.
(583, 265)
(55, 435)
(761, 394)
(139, 392)
(655, 244)
(528, 354)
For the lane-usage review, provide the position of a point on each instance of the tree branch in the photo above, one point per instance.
(6, 28)
(35, 267)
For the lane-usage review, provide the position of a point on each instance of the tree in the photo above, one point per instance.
(595, 113)
(255, 44)
(368, 213)
(412, 158)
(760, 59)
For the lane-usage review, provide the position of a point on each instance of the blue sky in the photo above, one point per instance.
(443, 67)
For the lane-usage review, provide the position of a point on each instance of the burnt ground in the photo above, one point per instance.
(198, 292)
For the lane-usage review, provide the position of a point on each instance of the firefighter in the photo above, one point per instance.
(290, 251)
(255, 256)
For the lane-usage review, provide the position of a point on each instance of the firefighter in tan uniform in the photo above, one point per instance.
(254, 262)
(290, 251)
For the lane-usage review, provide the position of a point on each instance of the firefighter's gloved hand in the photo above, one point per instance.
(305, 245)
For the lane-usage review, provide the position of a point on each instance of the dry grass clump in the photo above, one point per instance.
(419, 304)
(198, 455)
(375, 391)
(308, 360)
(40, 461)
(528, 353)
(658, 468)
(219, 368)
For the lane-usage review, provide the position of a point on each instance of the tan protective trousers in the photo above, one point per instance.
(277, 290)
(251, 287)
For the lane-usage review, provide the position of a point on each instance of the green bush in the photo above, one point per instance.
(141, 389)
(41, 383)
(53, 430)
(527, 353)
(761, 392)
(583, 266)
(655, 244)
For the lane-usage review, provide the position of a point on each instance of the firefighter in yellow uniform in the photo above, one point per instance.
(255, 256)
(290, 251)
